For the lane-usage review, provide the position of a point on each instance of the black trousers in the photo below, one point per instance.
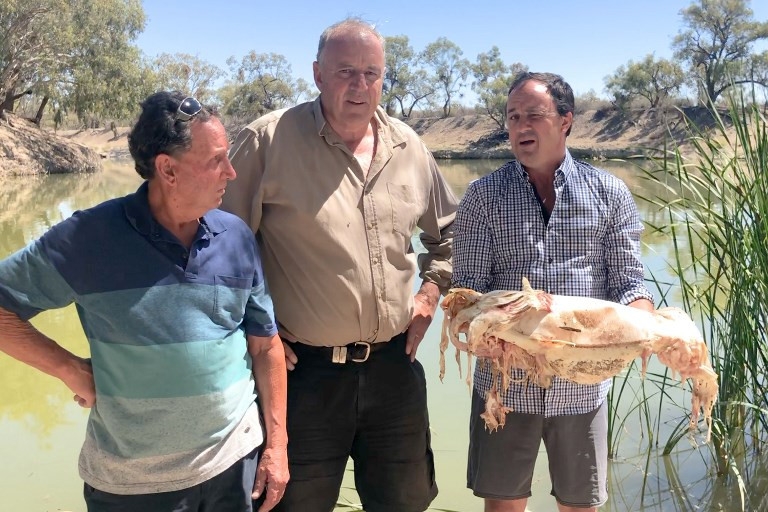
(375, 412)
(230, 491)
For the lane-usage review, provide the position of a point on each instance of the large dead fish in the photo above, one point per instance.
(580, 339)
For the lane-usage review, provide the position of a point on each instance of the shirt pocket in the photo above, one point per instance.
(404, 205)
(230, 297)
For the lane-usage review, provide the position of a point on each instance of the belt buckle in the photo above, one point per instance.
(339, 355)
(367, 352)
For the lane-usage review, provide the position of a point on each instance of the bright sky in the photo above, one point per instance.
(583, 41)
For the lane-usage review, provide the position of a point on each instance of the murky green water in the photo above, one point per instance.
(41, 428)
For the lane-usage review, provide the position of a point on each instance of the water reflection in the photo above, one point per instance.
(41, 429)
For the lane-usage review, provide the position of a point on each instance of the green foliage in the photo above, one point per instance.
(449, 70)
(262, 83)
(492, 80)
(651, 79)
(186, 73)
(589, 101)
(716, 213)
(79, 53)
(404, 82)
(717, 46)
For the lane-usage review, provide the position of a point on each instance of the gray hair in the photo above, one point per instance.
(348, 25)
(158, 130)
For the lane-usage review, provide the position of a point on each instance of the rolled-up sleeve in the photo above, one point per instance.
(437, 225)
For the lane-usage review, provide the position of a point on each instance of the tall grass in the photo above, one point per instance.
(715, 211)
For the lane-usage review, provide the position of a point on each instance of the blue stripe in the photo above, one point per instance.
(163, 314)
(77, 248)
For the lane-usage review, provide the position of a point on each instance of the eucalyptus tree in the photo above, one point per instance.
(717, 45)
(399, 59)
(449, 70)
(78, 53)
(653, 79)
(302, 91)
(187, 73)
(422, 89)
(492, 80)
(405, 83)
(262, 82)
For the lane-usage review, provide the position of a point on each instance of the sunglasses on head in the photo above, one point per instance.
(188, 108)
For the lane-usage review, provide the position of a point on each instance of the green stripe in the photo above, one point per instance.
(170, 370)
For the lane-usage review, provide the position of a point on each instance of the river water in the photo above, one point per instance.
(41, 428)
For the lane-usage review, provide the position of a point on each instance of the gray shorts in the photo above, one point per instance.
(500, 465)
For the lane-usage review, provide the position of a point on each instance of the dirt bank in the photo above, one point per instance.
(26, 149)
(595, 134)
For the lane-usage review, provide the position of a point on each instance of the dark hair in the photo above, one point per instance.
(557, 87)
(346, 25)
(158, 131)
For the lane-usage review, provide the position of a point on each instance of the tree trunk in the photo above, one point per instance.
(9, 100)
(11, 97)
(39, 116)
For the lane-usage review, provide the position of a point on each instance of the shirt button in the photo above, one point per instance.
(551, 260)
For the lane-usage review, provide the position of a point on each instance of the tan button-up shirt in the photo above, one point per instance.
(336, 241)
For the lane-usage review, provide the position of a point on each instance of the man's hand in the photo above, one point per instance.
(80, 382)
(269, 362)
(424, 306)
(643, 304)
(290, 356)
(272, 475)
(23, 342)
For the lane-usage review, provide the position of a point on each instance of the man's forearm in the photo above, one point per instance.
(430, 293)
(270, 374)
(20, 340)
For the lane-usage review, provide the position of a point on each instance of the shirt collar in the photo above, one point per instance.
(561, 173)
(139, 215)
(386, 129)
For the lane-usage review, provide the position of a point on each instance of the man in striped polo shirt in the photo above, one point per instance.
(171, 296)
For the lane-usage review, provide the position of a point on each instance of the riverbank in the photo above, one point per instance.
(26, 149)
(596, 134)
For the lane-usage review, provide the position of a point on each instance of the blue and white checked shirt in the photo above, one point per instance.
(590, 247)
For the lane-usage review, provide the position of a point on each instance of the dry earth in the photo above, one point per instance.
(595, 134)
(29, 150)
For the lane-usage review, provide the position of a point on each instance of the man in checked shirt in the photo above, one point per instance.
(571, 229)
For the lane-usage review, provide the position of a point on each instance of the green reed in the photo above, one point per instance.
(715, 209)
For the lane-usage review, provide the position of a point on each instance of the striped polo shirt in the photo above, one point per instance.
(167, 333)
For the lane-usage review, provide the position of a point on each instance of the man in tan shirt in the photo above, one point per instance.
(335, 189)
